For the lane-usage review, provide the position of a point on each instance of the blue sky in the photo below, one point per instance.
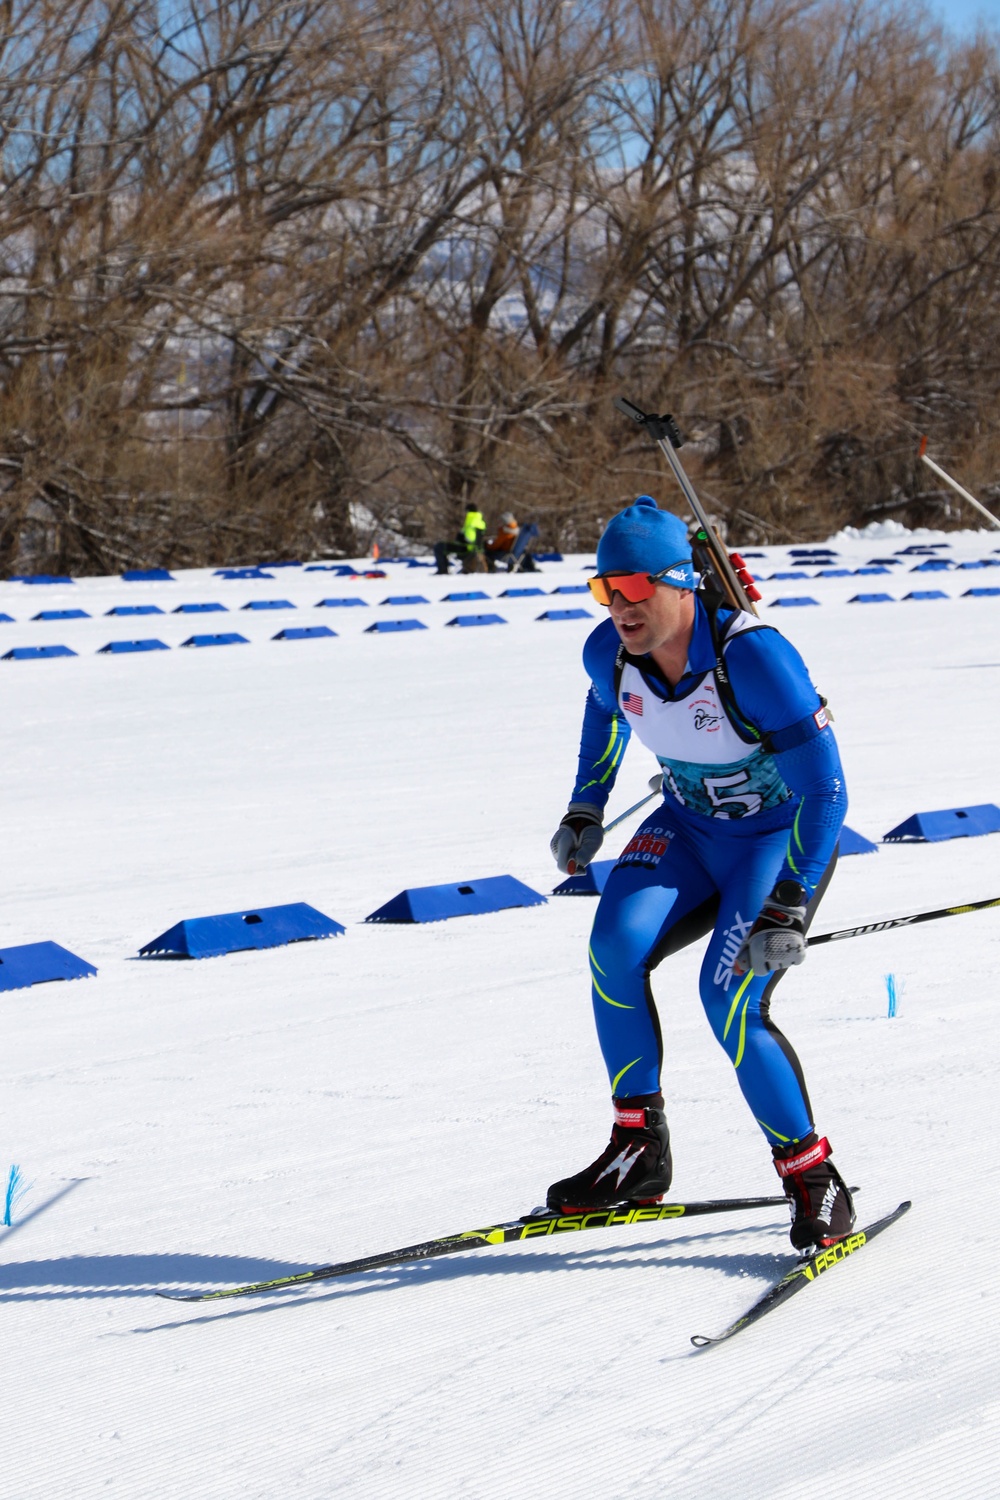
(962, 15)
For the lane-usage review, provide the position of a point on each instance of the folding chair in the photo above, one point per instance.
(519, 551)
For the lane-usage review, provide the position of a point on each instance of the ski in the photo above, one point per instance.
(801, 1275)
(540, 1224)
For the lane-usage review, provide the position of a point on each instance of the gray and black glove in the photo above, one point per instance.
(578, 838)
(778, 937)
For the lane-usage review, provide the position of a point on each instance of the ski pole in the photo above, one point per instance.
(936, 468)
(920, 916)
(655, 782)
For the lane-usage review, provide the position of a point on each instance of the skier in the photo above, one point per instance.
(742, 846)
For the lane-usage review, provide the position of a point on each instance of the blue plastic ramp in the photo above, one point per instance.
(947, 823)
(227, 638)
(590, 883)
(36, 653)
(303, 633)
(235, 931)
(388, 627)
(38, 963)
(855, 843)
(435, 903)
(123, 648)
(478, 620)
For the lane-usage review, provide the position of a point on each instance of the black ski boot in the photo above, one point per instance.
(822, 1208)
(635, 1167)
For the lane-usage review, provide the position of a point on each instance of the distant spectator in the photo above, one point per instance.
(501, 545)
(469, 545)
(511, 544)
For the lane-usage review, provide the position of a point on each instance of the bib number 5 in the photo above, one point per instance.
(725, 806)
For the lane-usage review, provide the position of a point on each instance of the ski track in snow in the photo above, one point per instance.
(203, 1124)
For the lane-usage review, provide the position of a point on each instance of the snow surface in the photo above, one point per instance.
(195, 1124)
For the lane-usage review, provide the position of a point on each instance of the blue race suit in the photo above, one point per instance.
(751, 796)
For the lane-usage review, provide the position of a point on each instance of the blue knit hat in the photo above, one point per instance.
(646, 539)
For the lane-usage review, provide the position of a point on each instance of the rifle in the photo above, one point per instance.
(728, 573)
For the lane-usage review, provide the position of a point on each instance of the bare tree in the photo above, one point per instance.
(281, 276)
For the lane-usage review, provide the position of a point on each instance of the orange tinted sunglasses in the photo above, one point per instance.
(635, 587)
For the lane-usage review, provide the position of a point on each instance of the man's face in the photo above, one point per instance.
(652, 622)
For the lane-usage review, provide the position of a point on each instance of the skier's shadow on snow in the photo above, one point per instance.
(80, 1277)
(765, 1267)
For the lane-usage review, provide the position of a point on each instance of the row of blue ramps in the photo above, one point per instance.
(384, 627)
(290, 633)
(297, 922)
(876, 597)
(803, 557)
(214, 607)
(466, 596)
(260, 570)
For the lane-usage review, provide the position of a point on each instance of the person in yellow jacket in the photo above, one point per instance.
(474, 530)
(468, 544)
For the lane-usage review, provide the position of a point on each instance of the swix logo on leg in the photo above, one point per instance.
(624, 1161)
(730, 948)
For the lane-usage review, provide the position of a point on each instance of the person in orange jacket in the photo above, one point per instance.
(501, 545)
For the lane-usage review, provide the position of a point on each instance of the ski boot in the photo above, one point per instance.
(822, 1208)
(635, 1167)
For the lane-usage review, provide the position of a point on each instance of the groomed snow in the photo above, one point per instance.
(194, 1124)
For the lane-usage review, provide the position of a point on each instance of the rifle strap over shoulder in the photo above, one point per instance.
(621, 659)
(746, 730)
